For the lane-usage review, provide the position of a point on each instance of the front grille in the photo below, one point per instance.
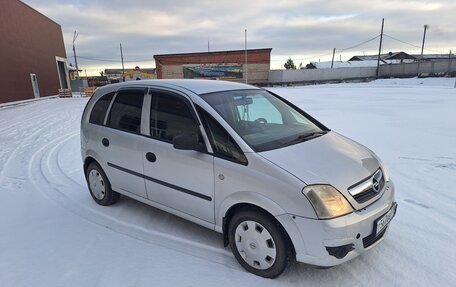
(371, 239)
(369, 191)
(365, 196)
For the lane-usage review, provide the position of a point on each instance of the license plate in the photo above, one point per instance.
(383, 221)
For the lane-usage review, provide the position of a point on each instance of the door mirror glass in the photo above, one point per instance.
(187, 141)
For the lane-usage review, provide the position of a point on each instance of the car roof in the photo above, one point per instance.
(196, 86)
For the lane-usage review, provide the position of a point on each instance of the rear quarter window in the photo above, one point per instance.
(100, 108)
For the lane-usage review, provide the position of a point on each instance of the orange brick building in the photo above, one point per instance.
(224, 65)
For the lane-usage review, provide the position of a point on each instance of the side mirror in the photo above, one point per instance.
(187, 141)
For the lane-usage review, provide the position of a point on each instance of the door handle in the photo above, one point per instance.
(151, 157)
(105, 142)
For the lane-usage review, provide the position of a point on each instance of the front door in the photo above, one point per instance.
(179, 179)
(62, 74)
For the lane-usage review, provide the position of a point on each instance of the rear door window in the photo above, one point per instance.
(126, 111)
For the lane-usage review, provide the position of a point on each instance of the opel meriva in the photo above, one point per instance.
(242, 161)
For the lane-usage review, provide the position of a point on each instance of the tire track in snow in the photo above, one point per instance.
(51, 180)
(27, 114)
(38, 153)
(19, 152)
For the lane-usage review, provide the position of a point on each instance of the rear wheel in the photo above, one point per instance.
(259, 243)
(99, 185)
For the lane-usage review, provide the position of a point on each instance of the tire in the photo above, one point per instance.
(259, 243)
(99, 185)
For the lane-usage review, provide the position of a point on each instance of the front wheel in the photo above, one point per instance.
(259, 243)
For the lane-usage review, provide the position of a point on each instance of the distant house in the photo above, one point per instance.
(72, 73)
(436, 57)
(115, 75)
(344, 64)
(389, 58)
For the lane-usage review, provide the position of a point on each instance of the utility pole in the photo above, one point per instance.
(380, 49)
(422, 49)
(449, 63)
(245, 70)
(208, 46)
(332, 61)
(424, 38)
(75, 35)
(121, 57)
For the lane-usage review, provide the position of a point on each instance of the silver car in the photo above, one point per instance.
(278, 184)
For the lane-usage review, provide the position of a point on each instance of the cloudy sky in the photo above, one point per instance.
(303, 30)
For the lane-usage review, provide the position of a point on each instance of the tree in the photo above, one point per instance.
(101, 73)
(289, 64)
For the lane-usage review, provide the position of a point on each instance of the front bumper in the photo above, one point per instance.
(315, 239)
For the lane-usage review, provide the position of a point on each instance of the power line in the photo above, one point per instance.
(410, 44)
(277, 60)
(360, 44)
(338, 50)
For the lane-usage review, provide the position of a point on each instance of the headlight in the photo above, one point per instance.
(327, 201)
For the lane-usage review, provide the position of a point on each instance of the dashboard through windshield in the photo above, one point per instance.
(264, 121)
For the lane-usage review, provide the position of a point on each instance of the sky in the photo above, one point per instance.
(304, 31)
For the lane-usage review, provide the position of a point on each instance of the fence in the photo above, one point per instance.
(361, 73)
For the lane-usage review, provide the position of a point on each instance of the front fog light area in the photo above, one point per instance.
(327, 201)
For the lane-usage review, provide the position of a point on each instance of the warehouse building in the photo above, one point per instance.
(32, 53)
(223, 65)
(119, 75)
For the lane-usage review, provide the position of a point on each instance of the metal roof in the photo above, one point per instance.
(213, 53)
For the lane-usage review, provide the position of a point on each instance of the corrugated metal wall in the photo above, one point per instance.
(29, 43)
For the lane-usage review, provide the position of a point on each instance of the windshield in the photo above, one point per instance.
(264, 121)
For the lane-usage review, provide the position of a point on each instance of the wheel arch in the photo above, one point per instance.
(92, 156)
(88, 160)
(244, 201)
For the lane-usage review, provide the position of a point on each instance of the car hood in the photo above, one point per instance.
(329, 159)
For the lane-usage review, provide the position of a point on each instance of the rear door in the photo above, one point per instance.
(179, 179)
(121, 142)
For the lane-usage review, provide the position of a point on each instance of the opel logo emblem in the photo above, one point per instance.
(375, 185)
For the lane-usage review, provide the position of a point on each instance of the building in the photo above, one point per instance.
(73, 73)
(343, 64)
(116, 75)
(389, 58)
(32, 53)
(402, 57)
(436, 57)
(223, 65)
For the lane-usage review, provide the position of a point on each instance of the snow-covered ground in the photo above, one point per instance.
(53, 234)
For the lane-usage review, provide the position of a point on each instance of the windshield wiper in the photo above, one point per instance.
(304, 137)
